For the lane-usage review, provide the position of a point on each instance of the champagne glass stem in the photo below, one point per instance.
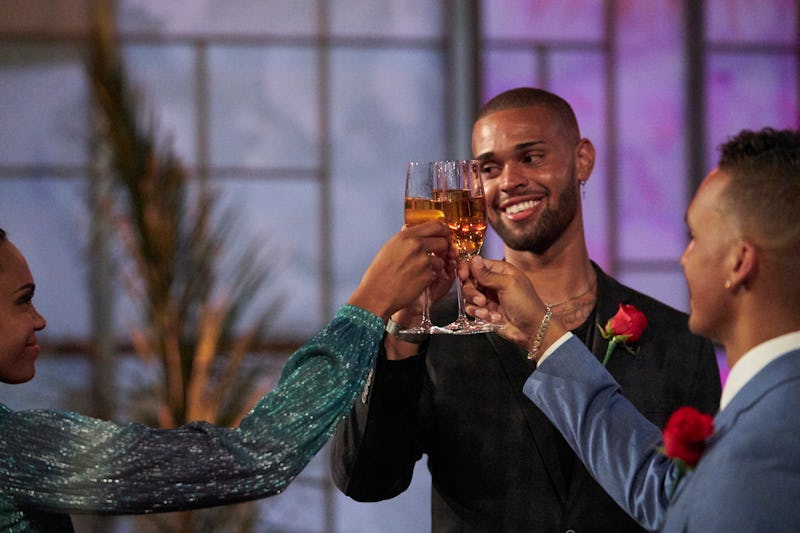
(425, 324)
(460, 297)
(426, 318)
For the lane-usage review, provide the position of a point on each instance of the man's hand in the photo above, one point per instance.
(500, 293)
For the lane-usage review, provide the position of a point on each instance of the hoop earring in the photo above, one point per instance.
(583, 191)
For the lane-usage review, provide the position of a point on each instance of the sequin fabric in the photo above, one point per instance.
(55, 462)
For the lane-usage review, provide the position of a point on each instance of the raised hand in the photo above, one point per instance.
(499, 292)
(409, 262)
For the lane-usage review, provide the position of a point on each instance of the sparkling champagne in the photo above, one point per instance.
(420, 210)
(466, 216)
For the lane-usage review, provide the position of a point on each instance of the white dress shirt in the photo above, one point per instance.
(754, 360)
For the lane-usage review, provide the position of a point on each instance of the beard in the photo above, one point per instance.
(547, 229)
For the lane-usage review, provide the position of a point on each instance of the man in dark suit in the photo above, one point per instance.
(497, 463)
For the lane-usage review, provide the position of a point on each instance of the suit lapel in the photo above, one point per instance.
(544, 435)
(785, 368)
(610, 295)
(546, 438)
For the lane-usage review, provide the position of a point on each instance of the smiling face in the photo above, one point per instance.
(706, 259)
(532, 164)
(19, 320)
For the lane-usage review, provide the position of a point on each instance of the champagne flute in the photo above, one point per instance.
(464, 204)
(421, 207)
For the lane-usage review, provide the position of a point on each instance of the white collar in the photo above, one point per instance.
(752, 362)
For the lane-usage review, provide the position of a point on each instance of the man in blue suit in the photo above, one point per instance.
(742, 267)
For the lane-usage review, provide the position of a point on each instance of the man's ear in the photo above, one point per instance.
(584, 159)
(745, 256)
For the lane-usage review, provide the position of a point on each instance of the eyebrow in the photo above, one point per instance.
(517, 148)
(524, 146)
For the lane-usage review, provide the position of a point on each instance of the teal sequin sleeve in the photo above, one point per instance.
(55, 462)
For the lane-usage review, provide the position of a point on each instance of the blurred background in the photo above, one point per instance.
(300, 116)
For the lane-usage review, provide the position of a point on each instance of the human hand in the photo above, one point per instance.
(404, 267)
(412, 313)
(499, 292)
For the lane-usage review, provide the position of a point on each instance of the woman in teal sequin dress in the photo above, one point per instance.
(53, 463)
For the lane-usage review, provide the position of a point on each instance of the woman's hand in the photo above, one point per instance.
(415, 258)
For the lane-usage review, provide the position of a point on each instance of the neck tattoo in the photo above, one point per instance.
(573, 315)
(572, 298)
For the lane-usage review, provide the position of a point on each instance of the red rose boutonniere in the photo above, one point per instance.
(685, 438)
(623, 328)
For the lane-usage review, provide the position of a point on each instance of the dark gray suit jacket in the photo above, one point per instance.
(497, 463)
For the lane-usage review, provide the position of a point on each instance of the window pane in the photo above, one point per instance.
(767, 21)
(61, 381)
(543, 19)
(506, 69)
(749, 91)
(387, 18)
(651, 189)
(387, 109)
(163, 76)
(579, 78)
(43, 111)
(651, 201)
(264, 107)
(242, 17)
(47, 220)
(283, 218)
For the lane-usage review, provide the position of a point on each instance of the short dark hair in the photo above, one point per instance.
(532, 97)
(764, 188)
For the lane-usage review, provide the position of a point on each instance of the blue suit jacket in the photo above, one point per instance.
(748, 479)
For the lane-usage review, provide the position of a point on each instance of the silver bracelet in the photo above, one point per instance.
(533, 352)
(393, 328)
